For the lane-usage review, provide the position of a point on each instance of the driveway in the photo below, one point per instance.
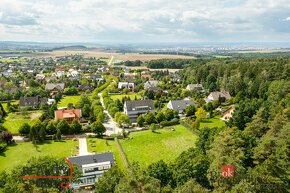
(83, 149)
(111, 125)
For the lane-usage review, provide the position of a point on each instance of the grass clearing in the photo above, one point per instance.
(14, 120)
(20, 153)
(70, 99)
(97, 145)
(212, 122)
(147, 147)
(120, 96)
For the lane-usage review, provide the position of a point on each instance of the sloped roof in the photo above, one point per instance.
(139, 103)
(181, 104)
(31, 101)
(51, 86)
(68, 113)
(90, 159)
(225, 94)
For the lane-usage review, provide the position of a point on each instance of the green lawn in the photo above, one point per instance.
(68, 99)
(4, 104)
(120, 96)
(147, 147)
(97, 145)
(14, 120)
(21, 152)
(212, 122)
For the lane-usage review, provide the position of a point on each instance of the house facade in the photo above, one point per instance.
(228, 113)
(138, 107)
(92, 167)
(192, 87)
(122, 85)
(224, 96)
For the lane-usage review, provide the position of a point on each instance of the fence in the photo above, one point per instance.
(188, 126)
(122, 154)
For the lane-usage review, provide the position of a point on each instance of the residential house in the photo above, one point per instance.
(224, 96)
(54, 87)
(32, 102)
(85, 87)
(192, 87)
(122, 85)
(68, 114)
(59, 73)
(155, 89)
(138, 107)
(228, 113)
(96, 77)
(40, 77)
(180, 105)
(151, 83)
(92, 167)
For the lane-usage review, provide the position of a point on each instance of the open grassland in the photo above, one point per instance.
(97, 145)
(147, 147)
(212, 122)
(14, 120)
(20, 153)
(117, 56)
(120, 96)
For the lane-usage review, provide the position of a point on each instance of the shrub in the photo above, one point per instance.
(169, 123)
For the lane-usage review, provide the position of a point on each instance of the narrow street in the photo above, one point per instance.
(111, 125)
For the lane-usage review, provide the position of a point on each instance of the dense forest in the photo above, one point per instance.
(255, 141)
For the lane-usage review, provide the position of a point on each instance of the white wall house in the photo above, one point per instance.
(91, 167)
(138, 107)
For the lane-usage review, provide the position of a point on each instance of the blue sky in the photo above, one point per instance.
(145, 20)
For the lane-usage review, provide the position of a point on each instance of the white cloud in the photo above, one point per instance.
(126, 20)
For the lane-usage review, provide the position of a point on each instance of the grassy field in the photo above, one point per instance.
(120, 96)
(21, 152)
(97, 145)
(14, 120)
(4, 104)
(68, 99)
(147, 147)
(212, 122)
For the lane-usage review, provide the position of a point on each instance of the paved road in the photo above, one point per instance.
(111, 125)
(111, 61)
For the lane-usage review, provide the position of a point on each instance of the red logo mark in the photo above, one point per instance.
(228, 171)
(63, 184)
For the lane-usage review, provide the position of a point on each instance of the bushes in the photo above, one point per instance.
(2, 147)
(169, 123)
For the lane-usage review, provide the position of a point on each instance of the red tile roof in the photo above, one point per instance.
(68, 113)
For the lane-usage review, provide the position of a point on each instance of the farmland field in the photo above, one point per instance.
(14, 120)
(21, 152)
(147, 147)
(117, 56)
(97, 145)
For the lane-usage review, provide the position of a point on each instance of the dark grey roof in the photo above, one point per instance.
(90, 159)
(155, 89)
(31, 101)
(181, 104)
(85, 87)
(139, 103)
